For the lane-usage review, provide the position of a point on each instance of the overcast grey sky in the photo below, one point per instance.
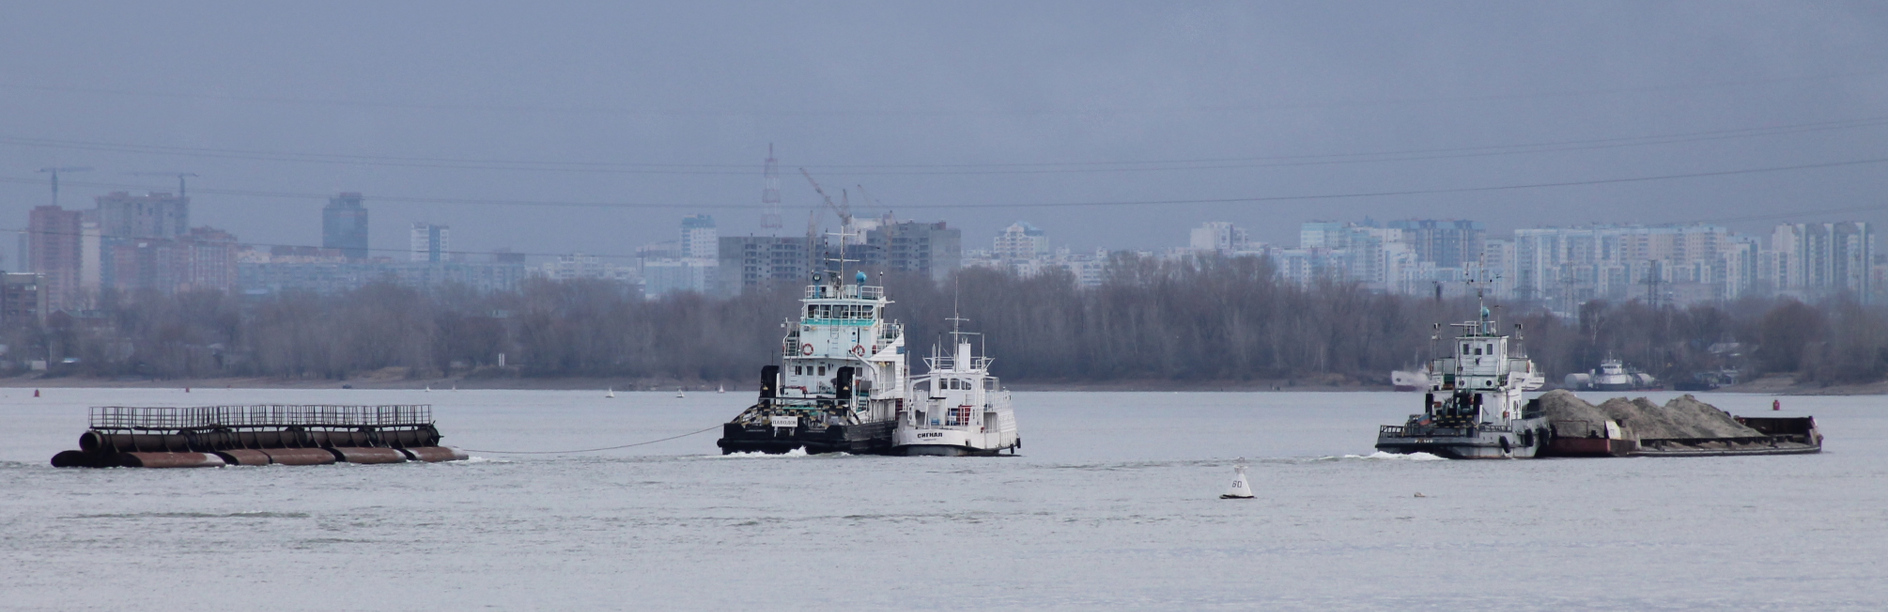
(939, 107)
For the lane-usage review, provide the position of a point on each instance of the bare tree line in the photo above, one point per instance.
(1200, 319)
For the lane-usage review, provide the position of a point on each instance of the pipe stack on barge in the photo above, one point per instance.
(215, 436)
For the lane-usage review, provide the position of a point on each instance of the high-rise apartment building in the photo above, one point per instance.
(1219, 237)
(204, 259)
(1820, 259)
(1447, 244)
(932, 249)
(344, 225)
(54, 248)
(1021, 242)
(22, 299)
(699, 238)
(153, 215)
(746, 262)
(430, 243)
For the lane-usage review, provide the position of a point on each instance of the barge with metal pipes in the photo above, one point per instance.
(216, 436)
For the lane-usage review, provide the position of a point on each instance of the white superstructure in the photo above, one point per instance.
(841, 381)
(956, 407)
(1474, 406)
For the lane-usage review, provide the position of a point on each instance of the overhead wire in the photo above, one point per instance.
(1029, 205)
(862, 112)
(1213, 163)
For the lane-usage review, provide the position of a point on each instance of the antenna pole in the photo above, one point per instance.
(770, 192)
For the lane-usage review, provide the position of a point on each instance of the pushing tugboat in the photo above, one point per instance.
(841, 380)
(1473, 408)
(957, 407)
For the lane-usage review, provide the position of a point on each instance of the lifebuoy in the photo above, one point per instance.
(806, 349)
(858, 350)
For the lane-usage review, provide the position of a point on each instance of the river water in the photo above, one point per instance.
(1112, 504)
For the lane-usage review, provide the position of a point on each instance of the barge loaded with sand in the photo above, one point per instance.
(216, 436)
(1683, 427)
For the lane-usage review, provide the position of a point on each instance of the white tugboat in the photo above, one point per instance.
(1473, 408)
(957, 408)
(1613, 375)
(841, 380)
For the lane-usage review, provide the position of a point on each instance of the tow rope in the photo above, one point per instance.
(592, 450)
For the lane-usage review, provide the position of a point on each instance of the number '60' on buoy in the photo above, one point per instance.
(1239, 489)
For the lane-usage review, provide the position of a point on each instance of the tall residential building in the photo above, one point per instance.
(577, 266)
(205, 259)
(1219, 237)
(1565, 267)
(1447, 244)
(344, 225)
(1322, 235)
(153, 215)
(54, 240)
(747, 262)
(22, 299)
(430, 243)
(1021, 242)
(698, 237)
(1820, 259)
(933, 249)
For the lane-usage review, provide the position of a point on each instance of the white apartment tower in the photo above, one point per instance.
(430, 243)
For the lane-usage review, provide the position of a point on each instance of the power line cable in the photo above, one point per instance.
(1026, 205)
(962, 169)
(700, 112)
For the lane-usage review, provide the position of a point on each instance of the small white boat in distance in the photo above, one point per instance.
(1408, 380)
(721, 389)
(679, 393)
(1240, 489)
(610, 393)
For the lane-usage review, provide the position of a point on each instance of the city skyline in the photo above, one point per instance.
(1133, 121)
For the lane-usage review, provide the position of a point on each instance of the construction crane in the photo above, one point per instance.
(844, 210)
(181, 192)
(55, 177)
(874, 203)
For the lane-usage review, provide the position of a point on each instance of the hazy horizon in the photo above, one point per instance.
(489, 117)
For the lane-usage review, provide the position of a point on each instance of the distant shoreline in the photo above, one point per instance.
(1776, 385)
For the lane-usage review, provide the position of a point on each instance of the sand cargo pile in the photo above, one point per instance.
(215, 436)
(1683, 426)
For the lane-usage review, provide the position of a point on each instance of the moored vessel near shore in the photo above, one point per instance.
(957, 407)
(841, 380)
(1408, 380)
(1473, 408)
(1612, 375)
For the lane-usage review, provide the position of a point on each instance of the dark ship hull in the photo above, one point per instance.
(760, 437)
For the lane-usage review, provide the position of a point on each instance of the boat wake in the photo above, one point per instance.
(796, 452)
